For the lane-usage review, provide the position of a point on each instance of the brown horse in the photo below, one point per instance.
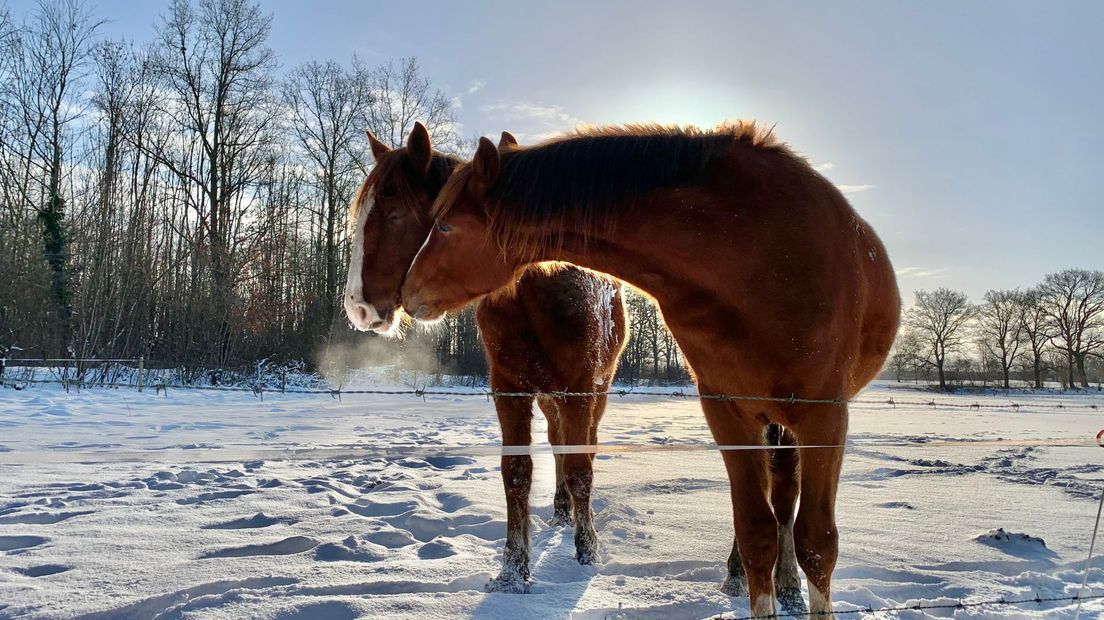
(555, 330)
(770, 282)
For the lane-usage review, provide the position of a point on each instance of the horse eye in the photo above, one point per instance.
(443, 227)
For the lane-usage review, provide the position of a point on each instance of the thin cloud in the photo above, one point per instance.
(923, 272)
(824, 167)
(524, 110)
(475, 86)
(854, 189)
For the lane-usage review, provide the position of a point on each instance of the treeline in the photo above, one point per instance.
(185, 199)
(1052, 332)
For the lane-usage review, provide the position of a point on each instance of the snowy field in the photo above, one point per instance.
(220, 505)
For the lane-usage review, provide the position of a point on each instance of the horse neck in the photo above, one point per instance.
(625, 244)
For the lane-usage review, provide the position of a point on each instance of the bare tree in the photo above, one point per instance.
(215, 63)
(1073, 300)
(54, 50)
(651, 352)
(328, 108)
(941, 321)
(402, 95)
(157, 193)
(1035, 328)
(907, 350)
(12, 233)
(1000, 330)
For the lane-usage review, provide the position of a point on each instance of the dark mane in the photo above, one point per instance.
(392, 172)
(592, 172)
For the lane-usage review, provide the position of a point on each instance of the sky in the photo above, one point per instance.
(970, 134)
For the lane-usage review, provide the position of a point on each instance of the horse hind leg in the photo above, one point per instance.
(756, 531)
(785, 486)
(561, 502)
(579, 475)
(515, 417)
(816, 538)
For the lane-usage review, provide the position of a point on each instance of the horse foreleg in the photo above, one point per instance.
(561, 502)
(816, 539)
(756, 539)
(515, 418)
(785, 486)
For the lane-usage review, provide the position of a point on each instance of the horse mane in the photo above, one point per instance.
(593, 173)
(393, 169)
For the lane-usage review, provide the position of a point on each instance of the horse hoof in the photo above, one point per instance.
(560, 519)
(735, 586)
(586, 557)
(791, 602)
(508, 582)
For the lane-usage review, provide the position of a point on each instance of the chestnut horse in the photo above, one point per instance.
(555, 330)
(771, 283)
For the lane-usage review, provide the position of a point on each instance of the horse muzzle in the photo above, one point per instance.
(366, 318)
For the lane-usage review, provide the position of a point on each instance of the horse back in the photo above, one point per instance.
(558, 329)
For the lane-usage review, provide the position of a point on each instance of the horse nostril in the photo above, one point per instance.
(361, 311)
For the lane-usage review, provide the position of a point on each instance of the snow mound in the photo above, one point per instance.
(1017, 544)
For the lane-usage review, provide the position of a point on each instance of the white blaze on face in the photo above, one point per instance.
(362, 315)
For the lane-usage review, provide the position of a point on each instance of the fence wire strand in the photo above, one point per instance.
(260, 391)
(234, 454)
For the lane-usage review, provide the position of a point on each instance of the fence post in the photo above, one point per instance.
(141, 370)
(283, 380)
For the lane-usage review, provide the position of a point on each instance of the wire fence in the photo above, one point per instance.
(258, 389)
(221, 454)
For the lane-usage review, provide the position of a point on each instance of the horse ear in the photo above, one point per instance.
(484, 167)
(378, 148)
(419, 148)
(507, 141)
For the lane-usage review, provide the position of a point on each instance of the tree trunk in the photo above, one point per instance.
(54, 243)
(329, 299)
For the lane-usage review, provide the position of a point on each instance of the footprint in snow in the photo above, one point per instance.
(40, 518)
(904, 505)
(213, 495)
(287, 546)
(43, 571)
(15, 543)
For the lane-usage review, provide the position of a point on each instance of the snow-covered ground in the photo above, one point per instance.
(111, 507)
